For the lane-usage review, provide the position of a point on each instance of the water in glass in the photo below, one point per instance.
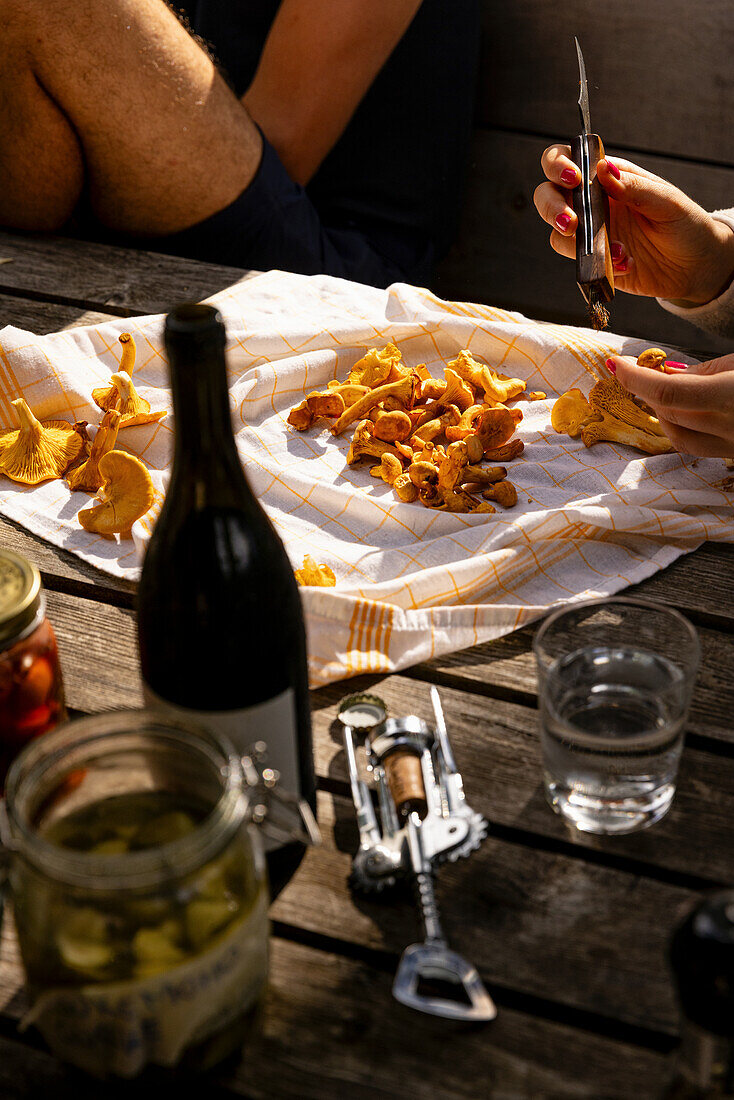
(612, 735)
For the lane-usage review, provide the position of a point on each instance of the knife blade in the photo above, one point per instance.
(583, 92)
(594, 270)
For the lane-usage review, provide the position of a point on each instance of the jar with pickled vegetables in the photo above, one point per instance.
(31, 688)
(139, 892)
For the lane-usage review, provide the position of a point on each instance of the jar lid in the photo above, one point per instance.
(20, 595)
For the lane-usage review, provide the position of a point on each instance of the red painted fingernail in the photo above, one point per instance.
(675, 365)
(617, 250)
(611, 366)
(613, 169)
(563, 221)
(621, 267)
(568, 175)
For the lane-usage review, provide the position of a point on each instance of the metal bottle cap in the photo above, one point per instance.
(362, 711)
(20, 595)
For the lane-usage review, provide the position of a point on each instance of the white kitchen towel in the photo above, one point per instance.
(411, 583)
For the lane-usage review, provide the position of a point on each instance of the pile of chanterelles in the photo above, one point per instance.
(426, 437)
(38, 451)
(612, 415)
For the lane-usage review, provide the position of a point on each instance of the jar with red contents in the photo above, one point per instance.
(31, 687)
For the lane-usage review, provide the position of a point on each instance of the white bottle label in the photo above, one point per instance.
(273, 722)
(120, 1027)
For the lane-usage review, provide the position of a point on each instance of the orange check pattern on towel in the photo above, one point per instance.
(412, 583)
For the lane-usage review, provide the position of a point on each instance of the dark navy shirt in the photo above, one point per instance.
(394, 177)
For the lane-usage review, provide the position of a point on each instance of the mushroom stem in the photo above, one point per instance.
(28, 423)
(36, 452)
(404, 389)
(127, 359)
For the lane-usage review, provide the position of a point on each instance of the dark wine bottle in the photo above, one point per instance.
(220, 624)
(702, 956)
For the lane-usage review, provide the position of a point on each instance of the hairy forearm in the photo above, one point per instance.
(319, 59)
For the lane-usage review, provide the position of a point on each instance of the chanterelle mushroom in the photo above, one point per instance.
(300, 417)
(496, 386)
(106, 396)
(80, 427)
(133, 408)
(389, 470)
(428, 432)
(86, 477)
(423, 474)
(315, 575)
(126, 494)
(654, 358)
(506, 452)
(484, 475)
(450, 470)
(374, 368)
(570, 413)
(327, 403)
(457, 391)
(456, 500)
(392, 427)
(404, 389)
(504, 492)
(466, 425)
(404, 488)
(445, 492)
(37, 452)
(619, 420)
(495, 426)
(348, 390)
(364, 444)
(400, 410)
(433, 388)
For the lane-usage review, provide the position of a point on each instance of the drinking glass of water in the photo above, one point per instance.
(614, 680)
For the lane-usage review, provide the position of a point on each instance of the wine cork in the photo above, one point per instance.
(405, 780)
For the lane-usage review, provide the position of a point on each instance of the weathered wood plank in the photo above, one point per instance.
(91, 632)
(697, 584)
(98, 650)
(660, 73)
(330, 1029)
(503, 257)
(44, 317)
(496, 743)
(61, 568)
(535, 923)
(497, 748)
(123, 281)
(543, 924)
(509, 664)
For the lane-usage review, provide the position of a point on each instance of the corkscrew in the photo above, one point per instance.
(424, 820)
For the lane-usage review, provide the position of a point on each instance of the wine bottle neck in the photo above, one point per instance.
(205, 453)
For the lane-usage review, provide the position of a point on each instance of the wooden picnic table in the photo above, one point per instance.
(569, 932)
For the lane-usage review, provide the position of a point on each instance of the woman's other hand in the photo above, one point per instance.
(695, 405)
(663, 244)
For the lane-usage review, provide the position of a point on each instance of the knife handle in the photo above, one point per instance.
(594, 269)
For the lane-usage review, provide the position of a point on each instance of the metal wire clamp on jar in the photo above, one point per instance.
(139, 890)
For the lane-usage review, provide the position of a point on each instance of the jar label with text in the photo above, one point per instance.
(120, 1027)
